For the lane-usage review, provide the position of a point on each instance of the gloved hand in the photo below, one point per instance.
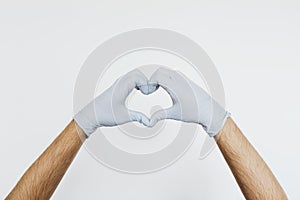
(109, 109)
(190, 102)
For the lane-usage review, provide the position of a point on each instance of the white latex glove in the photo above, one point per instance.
(109, 109)
(190, 102)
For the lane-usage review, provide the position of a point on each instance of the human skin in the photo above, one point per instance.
(249, 169)
(44, 175)
(252, 174)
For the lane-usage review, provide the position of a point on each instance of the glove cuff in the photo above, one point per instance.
(218, 125)
(83, 122)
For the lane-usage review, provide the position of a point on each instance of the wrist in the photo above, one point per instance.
(81, 130)
(217, 123)
(228, 126)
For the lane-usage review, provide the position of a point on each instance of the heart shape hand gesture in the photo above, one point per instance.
(190, 103)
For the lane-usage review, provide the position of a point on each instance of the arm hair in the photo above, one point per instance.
(252, 174)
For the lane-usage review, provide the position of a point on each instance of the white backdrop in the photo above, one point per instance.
(254, 45)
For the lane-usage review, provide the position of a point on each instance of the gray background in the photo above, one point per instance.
(254, 45)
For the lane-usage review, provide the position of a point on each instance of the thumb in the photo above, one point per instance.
(161, 115)
(139, 117)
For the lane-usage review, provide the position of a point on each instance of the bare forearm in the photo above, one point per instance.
(251, 172)
(42, 178)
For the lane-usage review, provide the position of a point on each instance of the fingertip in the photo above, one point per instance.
(139, 117)
(152, 123)
(149, 88)
(145, 120)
